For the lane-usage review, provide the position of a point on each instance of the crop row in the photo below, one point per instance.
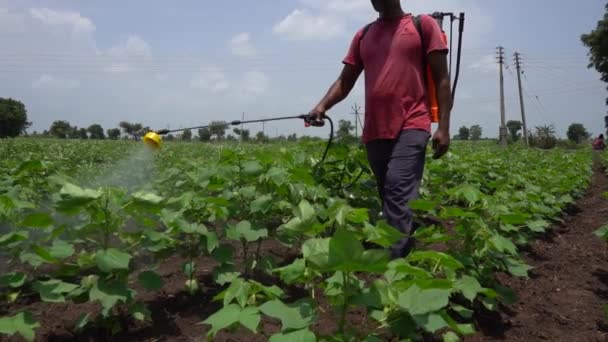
(65, 240)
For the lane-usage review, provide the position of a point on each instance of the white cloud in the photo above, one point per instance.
(79, 25)
(125, 56)
(47, 81)
(485, 64)
(212, 79)
(302, 24)
(241, 45)
(134, 46)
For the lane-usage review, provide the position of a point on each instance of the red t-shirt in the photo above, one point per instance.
(395, 91)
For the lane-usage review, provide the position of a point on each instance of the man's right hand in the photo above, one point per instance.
(318, 117)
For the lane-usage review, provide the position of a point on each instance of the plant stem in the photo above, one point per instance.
(345, 296)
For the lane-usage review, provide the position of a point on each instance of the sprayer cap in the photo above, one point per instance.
(153, 140)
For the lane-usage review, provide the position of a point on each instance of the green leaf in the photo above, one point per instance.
(150, 280)
(37, 220)
(515, 219)
(303, 335)
(225, 274)
(13, 280)
(61, 250)
(223, 254)
(468, 286)
(147, 198)
(54, 290)
(503, 244)
(382, 234)
(140, 312)
(75, 196)
(517, 267)
(430, 322)
(450, 336)
(250, 318)
(538, 226)
(292, 316)
(22, 323)
(112, 260)
(252, 168)
(109, 293)
(357, 216)
(239, 290)
(418, 301)
(602, 232)
(44, 254)
(423, 205)
(462, 311)
(245, 231)
(10, 238)
(436, 258)
(231, 314)
(262, 204)
(292, 272)
(305, 211)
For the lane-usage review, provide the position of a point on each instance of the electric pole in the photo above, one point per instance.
(355, 112)
(503, 126)
(521, 97)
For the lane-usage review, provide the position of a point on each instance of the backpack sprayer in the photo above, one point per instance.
(153, 139)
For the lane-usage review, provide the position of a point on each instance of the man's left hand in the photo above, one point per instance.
(441, 143)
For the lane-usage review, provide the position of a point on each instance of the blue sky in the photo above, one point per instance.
(180, 63)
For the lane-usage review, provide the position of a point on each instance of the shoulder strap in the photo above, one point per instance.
(418, 24)
(365, 30)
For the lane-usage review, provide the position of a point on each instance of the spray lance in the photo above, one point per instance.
(153, 139)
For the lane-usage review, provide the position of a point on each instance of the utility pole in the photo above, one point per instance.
(503, 126)
(264, 128)
(355, 112)
(521, 97)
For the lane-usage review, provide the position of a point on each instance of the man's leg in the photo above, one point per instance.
(401, 185)
(378, 155)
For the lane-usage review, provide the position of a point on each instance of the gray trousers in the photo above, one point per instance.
(398, 166)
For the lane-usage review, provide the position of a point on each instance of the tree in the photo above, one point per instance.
(597, 42)
(218, 128)
(514, 127)
(244, 134)
(345, 128)
(96, 132)
(187, 135)
(74, 133)
(170, 137)
(204, 134)
(261, 137)
(464, 133)
(544, 137)
(82, 134)
(292, 137)
(577, 133)
(60, 129)
(135, 130)
(13, 118)
(476, 132)
(113, 133)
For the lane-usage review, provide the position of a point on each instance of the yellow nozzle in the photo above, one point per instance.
(153, 140)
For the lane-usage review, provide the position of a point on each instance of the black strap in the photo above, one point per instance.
(418, 24)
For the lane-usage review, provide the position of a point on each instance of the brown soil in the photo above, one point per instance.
(563, 299)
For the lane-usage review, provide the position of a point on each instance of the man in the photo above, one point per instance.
(397, 115)
(599, 144)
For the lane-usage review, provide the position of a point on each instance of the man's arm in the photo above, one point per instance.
(338, 91)
(438, 62)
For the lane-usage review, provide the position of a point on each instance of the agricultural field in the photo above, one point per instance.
(108, 240)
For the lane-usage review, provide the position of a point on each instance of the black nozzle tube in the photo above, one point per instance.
(458, 54)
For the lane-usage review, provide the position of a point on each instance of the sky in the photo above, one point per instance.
(175, 64)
